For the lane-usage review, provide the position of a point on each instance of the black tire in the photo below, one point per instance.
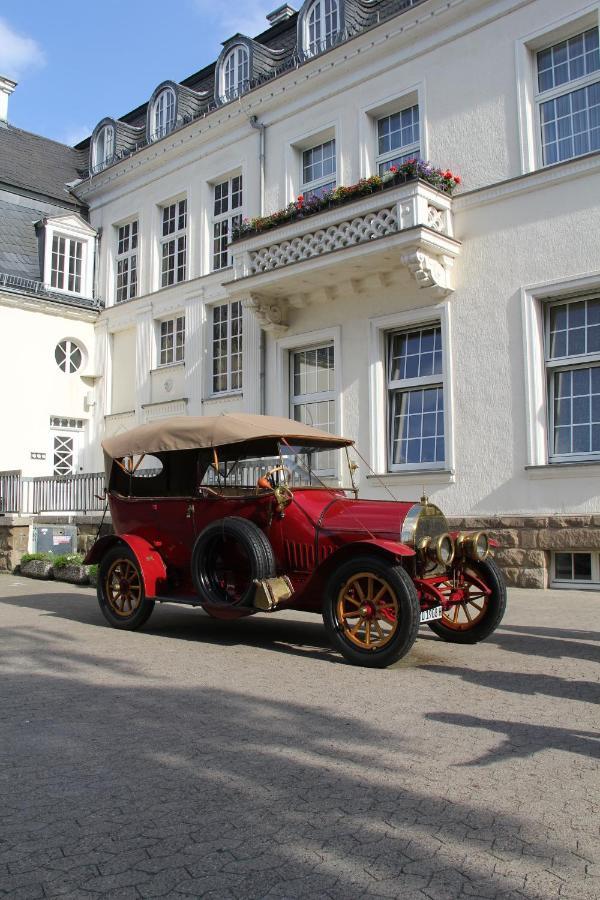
(494, 611)
(120, 563)
(242, 545)
(406, 615)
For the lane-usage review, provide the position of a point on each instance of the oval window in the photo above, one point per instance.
(68, 356)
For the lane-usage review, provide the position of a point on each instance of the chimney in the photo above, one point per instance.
(280, 14)
(7, 86)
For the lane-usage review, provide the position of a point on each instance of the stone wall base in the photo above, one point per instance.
(524, 552)
(526, 543)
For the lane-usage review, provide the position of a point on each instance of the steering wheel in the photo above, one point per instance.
(266, 482)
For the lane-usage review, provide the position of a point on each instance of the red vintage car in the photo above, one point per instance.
(229, 513)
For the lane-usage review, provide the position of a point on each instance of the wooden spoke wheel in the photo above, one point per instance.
(478, 598)
(367, 611)
(121, 592)
(371, 611)
(123, 587)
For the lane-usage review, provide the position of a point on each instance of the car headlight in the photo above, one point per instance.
(444, 550)
(480, 545)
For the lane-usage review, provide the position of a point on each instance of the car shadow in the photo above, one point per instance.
(528, 683)
(522, 739)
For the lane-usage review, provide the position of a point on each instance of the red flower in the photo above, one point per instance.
(457, 179)
(393, 169)
(448, 174)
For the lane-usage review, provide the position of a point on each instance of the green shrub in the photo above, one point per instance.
(93, 570)
(67, 559)
(29, 557)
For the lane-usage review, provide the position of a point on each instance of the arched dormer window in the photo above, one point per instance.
(236, 72)
(322, 26)
(104, 147)
(163, 114)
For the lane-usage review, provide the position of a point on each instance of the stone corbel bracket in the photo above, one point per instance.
(271, 315)
(430, 271)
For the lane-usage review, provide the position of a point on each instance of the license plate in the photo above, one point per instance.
(429, 615)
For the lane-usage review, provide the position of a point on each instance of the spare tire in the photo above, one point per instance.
(227, 557)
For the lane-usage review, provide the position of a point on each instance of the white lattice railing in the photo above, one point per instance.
(366, 220)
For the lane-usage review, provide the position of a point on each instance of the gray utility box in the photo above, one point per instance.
(57, 539)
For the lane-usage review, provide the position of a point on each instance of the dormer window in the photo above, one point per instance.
(322, 26)
(236, 72)
(104, 147)
(163, 114)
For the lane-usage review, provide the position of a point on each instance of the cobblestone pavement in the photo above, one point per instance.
(205, 759)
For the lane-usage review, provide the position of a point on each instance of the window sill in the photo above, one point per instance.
(416, 476)
(580, 469)
(224, 395)
(173, 365)
(574, 585)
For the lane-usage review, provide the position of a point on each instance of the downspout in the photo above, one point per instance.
(260, 127)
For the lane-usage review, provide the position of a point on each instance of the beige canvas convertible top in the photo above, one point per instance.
(201, 432)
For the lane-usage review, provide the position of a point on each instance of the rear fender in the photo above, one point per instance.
(151, 564)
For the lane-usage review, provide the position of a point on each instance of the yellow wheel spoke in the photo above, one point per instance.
(368, 633)
(467, 613)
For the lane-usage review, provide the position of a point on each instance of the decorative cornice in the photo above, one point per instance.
(271, 316)
(429, 272)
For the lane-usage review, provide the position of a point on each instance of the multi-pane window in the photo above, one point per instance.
(172, 341)
(127, 267)
(227, 347)
(174, 243)
(573, 372)
(312, 396)
(397, 138)
(104, 147)
(227, 215)
(66, 264)
(68, 356)
(322, 26)
(568, 96)
(319, 170)
(163, 117)
(236, 72)
(415, 397)
(577, 569)
(64, 454)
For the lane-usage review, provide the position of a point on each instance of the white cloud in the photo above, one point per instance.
(230, 19)
(74, 134)
(17, 52)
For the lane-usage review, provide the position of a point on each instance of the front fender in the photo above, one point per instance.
(151, 564)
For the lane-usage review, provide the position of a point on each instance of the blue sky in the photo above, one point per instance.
(78, 62)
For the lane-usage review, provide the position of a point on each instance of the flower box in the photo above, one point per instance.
(37, 568)
(73, 574)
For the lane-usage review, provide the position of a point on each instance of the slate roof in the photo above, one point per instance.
(18, 241)
(283, 36)
(37, 165)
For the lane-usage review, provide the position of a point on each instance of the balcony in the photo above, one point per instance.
(355, 245)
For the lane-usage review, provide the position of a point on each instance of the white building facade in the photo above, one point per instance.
(456, 338)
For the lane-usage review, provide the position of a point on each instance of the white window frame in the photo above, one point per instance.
(526, 49)
(573, 584)
(64, 428)
(533, 303)
(163, 114)
(316, 19)
(173, 327)
(230, 372)
(235, 72)
(178, 236)
(63, 250)
(104, 141)
(128, 256)
(412, 150)
(72, 228)
(71, 345)
(285, 347)
(318, 397)
(380, 328)
(223, 223)
(567, 364)
(315, 185)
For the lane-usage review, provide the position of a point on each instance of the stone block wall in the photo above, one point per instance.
(14, 538)
(526, 542)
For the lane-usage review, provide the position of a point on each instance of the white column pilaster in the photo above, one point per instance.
(144, 346)
(252, 361)
(194, 352)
